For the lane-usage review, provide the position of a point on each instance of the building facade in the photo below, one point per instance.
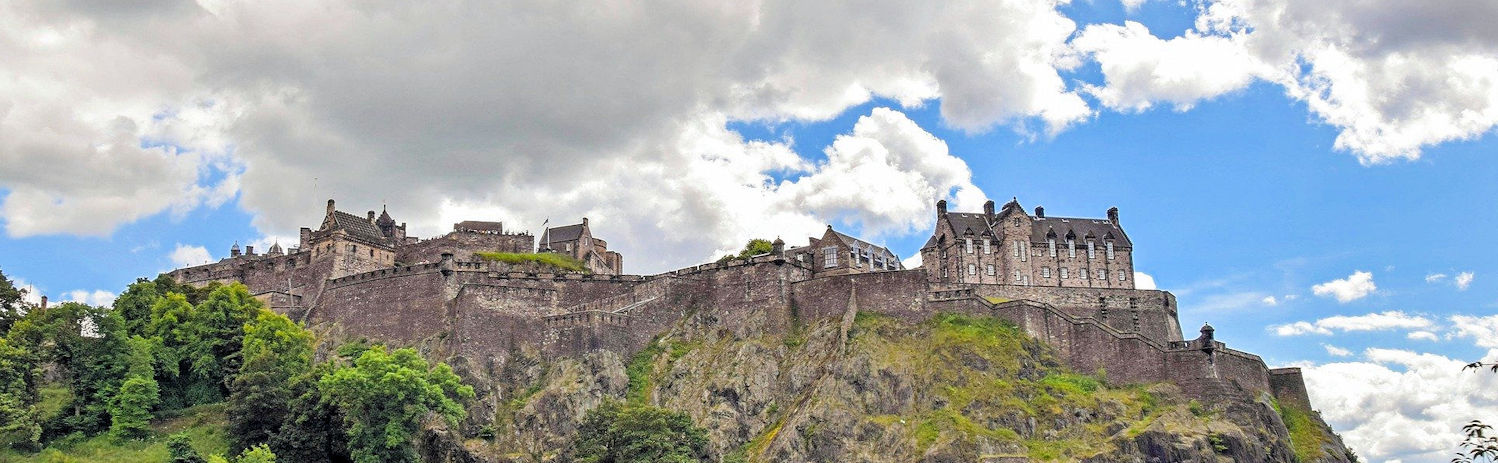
(1012, 247)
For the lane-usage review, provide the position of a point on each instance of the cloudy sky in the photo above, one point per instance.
(1313, 178)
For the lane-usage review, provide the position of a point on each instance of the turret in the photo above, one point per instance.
(275, 249)
(1207, 332)
(234, 250)
(1113, 215)
(778, 247)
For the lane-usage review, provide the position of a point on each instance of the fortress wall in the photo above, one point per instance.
(1248, 370)
(898, 293)
(1088, 346)
(1155, 310)
(1289, 387)
(486, 328)
(401, 307)
(463, 246)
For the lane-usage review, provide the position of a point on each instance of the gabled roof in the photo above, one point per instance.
(962, 222)
(565, 233)
(1101, 229)
(855, 242)
(356, 226)
(477, 225)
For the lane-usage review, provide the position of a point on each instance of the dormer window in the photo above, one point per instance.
(1051, 243)
(1110, 250)
(1071, 247)
(1090, 250)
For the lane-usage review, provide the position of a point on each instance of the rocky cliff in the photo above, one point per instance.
(866, 387)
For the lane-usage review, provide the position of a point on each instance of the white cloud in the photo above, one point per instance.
(96, 297)
(1482, 330)
(1144, 281)
(1336, 351)
(1463, 280)
(1270, 301)
(1354, 287)
(189, 255)
(1390, 320)
(1421, 336)
(914, 261)
(1400, 404)
(1392, 76)
(33, 295)
(532, 111)
(1435, 277)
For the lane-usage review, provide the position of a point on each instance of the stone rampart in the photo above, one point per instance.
(1148, 312)
(1289, 387)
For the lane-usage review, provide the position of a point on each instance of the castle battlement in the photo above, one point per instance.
(365, 276)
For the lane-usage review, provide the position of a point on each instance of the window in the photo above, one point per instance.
(1090, 253)
(353, 248)
(829, 257)
(1015, 221)
(1024, 250)
(943, 272)
(1082, 273)
(1045, 272)
(1071, 247)
(969, 242)
(972, 269)
(1051, 243)
(1102, 274)
(986, 249)
(853, 257)
(990, 269)
(944, 253)
(1016, 276)
(1015, 245)
(1121, 275)
(1110, 250)
(1063, 273)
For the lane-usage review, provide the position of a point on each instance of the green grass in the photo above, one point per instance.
(1305, 437)
(549, 259)
(54, 398)
(204, 425)
(641, 372)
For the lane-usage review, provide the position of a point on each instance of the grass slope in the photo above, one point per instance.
(549, 259)
(204, 424)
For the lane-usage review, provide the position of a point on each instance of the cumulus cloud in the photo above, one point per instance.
(1384, 321)
(32, 295)
(1483, 331)
(1144, 281)
(530, 111)
(1421, 336)
(189, 255)
(1354, 287)
(1336, 351)
(96, 297)
(1399, 404)
(1392, 76)
(1463, 280)
(1270, 301)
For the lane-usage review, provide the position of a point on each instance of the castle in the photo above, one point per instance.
(1065, 281)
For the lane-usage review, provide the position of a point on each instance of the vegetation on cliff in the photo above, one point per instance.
(165, 351)
(544, 259)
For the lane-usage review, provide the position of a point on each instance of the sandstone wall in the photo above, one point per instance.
(1148, 312)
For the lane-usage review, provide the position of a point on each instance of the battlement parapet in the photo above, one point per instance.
(588, 318)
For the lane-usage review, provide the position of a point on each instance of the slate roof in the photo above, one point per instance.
(477, 225)
(565, 233)
(1100, 229)
(357, 226)
(851, 242)
(384, 220)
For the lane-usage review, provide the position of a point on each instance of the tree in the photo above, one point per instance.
(1479, 443)
(179, 447)
(313, 427)
(753, 248)
(614, 433)
(256, 454)
(86, 347)
(383, 397)
(130, 410)
(12, 300)
(275, 350)
(19, 426)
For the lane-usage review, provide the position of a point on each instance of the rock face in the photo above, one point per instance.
(866, 387)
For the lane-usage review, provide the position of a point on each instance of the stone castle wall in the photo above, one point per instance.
(463, 245)
(1148, 312)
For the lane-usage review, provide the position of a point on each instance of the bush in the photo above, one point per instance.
(550, 259)
(615, 433)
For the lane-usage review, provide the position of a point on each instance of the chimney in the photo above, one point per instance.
(44, 303)
(330, 206)
(371, 216)
(1113, 215)
(1040, 211)
(988, 209)
(941, 207)
(249, 250)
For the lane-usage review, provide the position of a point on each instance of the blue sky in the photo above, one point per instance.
(1253, 156)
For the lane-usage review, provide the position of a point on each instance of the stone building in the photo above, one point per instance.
(1012, 247)
(836, 253)
(577, 241)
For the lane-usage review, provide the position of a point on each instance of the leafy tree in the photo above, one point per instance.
(1479, 443)
(256, 454)
(614, 433)
(313, 427)
(383, 397)
(130, 410)
(753, 248)
(87, 349)
(19, 426)
(275, 350)
(12, 300)
(200, 344)
(179, 447)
